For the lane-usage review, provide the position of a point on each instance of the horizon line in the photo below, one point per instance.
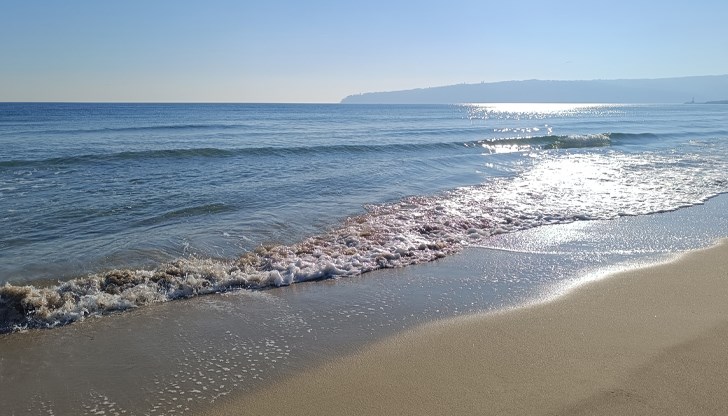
(350, 95)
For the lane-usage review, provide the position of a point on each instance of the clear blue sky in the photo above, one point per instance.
(321, 51)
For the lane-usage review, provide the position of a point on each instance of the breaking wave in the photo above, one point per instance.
(562, 142)
(412, 231)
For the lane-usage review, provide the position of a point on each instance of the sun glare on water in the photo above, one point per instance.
(530, 110)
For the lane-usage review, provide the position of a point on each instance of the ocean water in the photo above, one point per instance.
(109, 207)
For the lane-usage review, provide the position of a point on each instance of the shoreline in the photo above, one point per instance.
(193, 355)
(642, 341)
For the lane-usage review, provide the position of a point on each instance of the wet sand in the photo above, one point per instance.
(650, 341)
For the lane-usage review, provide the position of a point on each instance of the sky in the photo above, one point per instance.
(322, 51)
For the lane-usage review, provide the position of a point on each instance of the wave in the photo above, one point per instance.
(413, 231)
(517, 143)
(208, 152)
(564, 142)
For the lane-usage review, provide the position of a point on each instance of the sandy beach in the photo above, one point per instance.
(650, 341)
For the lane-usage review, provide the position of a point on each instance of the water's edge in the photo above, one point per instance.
(196, 351)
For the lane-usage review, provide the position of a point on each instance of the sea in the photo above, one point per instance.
(107, 207)
(313, 229)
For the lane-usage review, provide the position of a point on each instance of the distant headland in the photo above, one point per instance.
(711, 89)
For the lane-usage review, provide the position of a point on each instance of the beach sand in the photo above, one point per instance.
(650, 341)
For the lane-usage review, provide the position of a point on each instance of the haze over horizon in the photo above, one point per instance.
(323, 51)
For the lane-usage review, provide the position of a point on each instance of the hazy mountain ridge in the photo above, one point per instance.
(660, 90)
